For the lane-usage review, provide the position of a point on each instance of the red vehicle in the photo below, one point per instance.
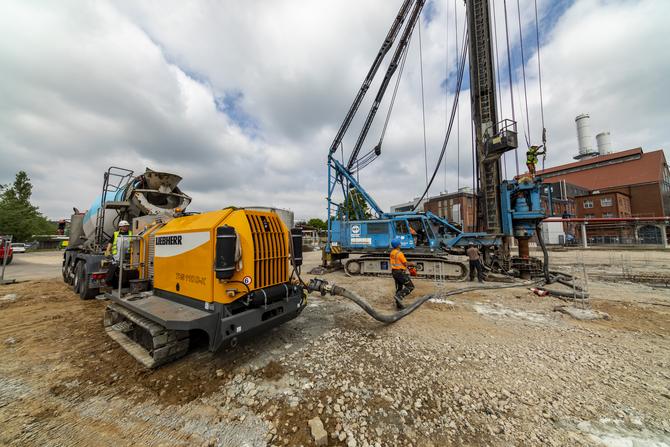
(10, 253)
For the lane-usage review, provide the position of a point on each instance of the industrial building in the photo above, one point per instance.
(408, 206)
(630, 183)
(641, 179)
(629, 186)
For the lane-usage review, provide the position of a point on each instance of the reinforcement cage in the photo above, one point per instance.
(270, 249)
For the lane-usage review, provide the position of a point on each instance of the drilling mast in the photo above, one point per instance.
(492, 138)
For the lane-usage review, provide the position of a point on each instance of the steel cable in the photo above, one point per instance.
(423, 104)
(511, 93)
(539, 77)
(458, 115)
(523, 70)
(497, 59)
(451, 120)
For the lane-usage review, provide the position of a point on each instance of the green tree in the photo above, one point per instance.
(19, 217)
(318, 224)
(354, 206)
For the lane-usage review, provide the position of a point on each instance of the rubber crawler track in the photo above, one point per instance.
(462, 275)
(147, 341)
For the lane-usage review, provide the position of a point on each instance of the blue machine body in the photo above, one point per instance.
(521, 206)
(433, 233)
(358, 234)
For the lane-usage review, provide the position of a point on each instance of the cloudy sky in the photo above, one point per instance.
(243, 99)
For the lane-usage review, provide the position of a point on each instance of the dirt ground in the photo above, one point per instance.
(492, 367)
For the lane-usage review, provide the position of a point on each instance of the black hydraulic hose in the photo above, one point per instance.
(323, 287)
(545, 267)
(579, 296)
(559, 277)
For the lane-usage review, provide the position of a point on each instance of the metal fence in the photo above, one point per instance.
(652, 233)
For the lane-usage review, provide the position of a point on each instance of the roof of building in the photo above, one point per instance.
(598, 194)
(450, 195)
(631, 167)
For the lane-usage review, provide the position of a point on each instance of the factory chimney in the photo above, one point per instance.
(604, 141)
(584, 137)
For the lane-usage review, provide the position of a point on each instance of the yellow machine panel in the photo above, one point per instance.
(185, 250)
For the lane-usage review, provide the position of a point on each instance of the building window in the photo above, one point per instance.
(607, 201)
(588, 204)
(608, 214)
(589, 216)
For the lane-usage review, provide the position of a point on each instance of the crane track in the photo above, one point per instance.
(350, 270)
(148, 342)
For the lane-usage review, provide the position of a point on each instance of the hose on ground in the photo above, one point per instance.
(322, 286)
(545, 253)
(578, 296)
(559, 277)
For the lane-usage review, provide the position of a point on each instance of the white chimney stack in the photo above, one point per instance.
(584, 134)
(604, 141)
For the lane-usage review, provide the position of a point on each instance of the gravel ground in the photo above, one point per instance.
(489, 367)
(34, 265)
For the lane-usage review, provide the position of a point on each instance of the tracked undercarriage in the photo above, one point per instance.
(149, 342)
(429, 267)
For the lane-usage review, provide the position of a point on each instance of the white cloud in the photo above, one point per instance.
(85, 86)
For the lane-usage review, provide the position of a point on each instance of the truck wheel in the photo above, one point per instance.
(76, 281)
(85, 291)
(69, 274)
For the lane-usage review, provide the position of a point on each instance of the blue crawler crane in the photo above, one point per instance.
(505, 209)
(426, 239)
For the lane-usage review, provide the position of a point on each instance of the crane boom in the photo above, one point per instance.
(386, 46)
(393, 66)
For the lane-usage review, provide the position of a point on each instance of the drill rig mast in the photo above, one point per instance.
(511, 208)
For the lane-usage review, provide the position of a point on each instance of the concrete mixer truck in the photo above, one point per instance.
(124, 196)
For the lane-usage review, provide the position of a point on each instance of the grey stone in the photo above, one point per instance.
(319, 434)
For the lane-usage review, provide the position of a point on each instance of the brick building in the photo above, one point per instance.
(457, 207)
(617, 185)
(642, 177)
(604, 204)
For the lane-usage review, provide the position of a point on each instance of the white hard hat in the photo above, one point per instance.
(124, 223)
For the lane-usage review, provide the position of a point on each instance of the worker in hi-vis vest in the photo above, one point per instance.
(117, 244)
(531, 158)
(399, 264)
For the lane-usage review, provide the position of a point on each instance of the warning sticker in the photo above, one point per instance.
(361, 240)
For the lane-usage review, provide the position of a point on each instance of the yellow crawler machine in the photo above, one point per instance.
(224, 274)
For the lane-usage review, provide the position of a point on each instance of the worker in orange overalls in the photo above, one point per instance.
(412, 231)
(399, 264)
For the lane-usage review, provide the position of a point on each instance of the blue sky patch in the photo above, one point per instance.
(429, 12)
(231, 105)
